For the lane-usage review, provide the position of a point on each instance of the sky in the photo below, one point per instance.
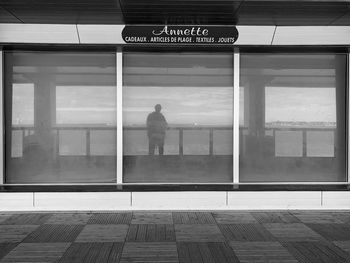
(181, 105)
(300, 104)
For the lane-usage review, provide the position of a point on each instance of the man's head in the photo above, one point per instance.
(158, 107)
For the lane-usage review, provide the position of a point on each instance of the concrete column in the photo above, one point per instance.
(44, 113)
(256, 106)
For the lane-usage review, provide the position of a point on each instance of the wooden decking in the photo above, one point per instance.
(220, 236)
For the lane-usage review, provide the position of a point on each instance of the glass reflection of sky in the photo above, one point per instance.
(300, 104)
(181, 105)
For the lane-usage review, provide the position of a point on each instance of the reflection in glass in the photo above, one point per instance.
(72, 143)
(292, 108)
(320, 143)
(288, 143)
(196, 97)
(61, 117)
(156, 129)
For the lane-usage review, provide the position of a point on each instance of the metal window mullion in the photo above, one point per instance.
(2, 172)
(119, 94)
(348, 113)
(236, 65)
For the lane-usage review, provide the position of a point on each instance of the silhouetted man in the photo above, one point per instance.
(156, 127)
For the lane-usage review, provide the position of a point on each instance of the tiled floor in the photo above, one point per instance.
(220, 236)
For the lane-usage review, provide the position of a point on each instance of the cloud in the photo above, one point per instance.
(82, 109)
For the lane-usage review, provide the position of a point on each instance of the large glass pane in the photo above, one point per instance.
(60, 117)
(188, 137)
(292, 121)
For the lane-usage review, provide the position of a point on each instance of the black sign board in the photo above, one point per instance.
(201, 35)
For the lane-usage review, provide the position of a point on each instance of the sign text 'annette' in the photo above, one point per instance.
(180, 34)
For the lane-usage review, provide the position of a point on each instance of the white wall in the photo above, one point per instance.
(111, 34)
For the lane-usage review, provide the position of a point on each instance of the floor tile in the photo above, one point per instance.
(103, 233)
(152, 218)
(203, 252)
(27, 219)
(193, 218)
(332, 232)
(13, 233)
(246, 232)
(292, 232)
(318, 252)
(149, 252)
(342, 216)
(151, 233)
(233, 218)
(110, 218)
(5, 248)
(275, 217)
(93, 253)
(54, 233)
(36, 252)
(344, 245)
(198, 233)
(316, 217)
(258, 252)
(4, 217)
(69, 219)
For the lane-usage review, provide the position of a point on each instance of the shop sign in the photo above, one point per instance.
(199, 35)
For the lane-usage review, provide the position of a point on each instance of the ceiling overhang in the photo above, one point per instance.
(206, 12)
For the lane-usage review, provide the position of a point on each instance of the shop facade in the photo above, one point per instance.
(255, 116)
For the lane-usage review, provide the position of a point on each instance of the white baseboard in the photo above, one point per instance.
(192, 200)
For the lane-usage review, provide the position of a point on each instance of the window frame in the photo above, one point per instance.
(119, 86)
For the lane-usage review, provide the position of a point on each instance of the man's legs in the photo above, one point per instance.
(151, 146)
(161, 147)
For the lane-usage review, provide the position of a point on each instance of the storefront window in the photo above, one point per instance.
(60, 112)
(177, 117)
(293, 121)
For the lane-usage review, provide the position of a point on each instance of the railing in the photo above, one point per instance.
(181, 130)
(268, 132)
(88, 129)
(272, 131)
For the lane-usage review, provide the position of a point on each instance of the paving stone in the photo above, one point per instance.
(93, 253)
(332, 231)
(292, 232)
(203, 252)
(5, 248)
(151, 233)
(344, 245)
(36, 252)
(14, 233)
(193, 218)
(69, 219)
(4, 217)
(257, 252)
(103, 233)
(246, 232)
(198, 233)
(27, 219)
(152, 218)
(275, 217)
(258, 236)
(54, 233)
(234, 218)
(317, 252)
(110, 218)
(149, 252)
(316, 217)
(344, 217)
